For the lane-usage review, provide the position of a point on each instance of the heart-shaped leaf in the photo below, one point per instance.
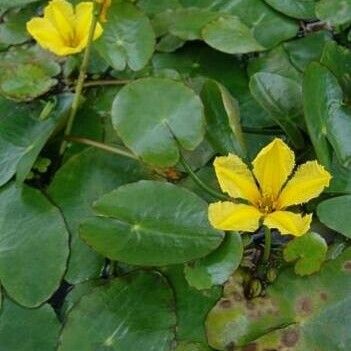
(151, 223)
(150, 113)
(128, 37)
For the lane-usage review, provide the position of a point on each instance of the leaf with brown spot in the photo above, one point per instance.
(297, 313)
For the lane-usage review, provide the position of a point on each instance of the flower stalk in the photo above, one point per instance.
(267, 244)
(81, 79)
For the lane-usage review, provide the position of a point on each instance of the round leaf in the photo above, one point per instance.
(149, 113)
(151, 223)
(130, 313)
(33, 245)
(128, 37)
(230, 35)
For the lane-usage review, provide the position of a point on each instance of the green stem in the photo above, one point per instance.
(199, 182)
(97, 83)
(101, 146)
(80, 81)
(267, 244)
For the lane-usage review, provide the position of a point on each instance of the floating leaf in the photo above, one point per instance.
(230, 35)
(123, 312)
(309, 251)
(24, 329)
(217, 267)
(148, 113)
(23, 137)
(77, 184)
(151, 223)
(295, 312)
(128, 37)
(27, 73)
(33, 245)
(336, 214)
(301, 9)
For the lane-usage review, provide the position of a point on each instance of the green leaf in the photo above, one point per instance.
(128, 37)
(27, 73)
(320, 91)
(301, 9)
(192, 306)
(190, 346)
(337, 12)
(294, 315)
(223, 119)
(338, 60)
(335, 213)
(187, 23)
(148, 113)
(267, 26)
(309, 251)
(23, 329)
(305, 50)
(282, 98)
(22, 136)
(151, 223)
(33, 245)
(77, 184)
(14, 3)
(229, 34)
(217, 267)
(13, 29)
(274, 61)
(133, 312)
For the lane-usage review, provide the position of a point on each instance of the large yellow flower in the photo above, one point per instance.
(63, 29)
(268, 200)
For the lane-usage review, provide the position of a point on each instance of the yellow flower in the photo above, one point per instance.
(268, 200)
(105, 5)
(63, 29)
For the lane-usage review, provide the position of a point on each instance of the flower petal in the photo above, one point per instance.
(272, 167)
(84, 17)
(308, 182)
(61, 15)
(229, 216)
(46, 35)
(288, 222)
(235, 178)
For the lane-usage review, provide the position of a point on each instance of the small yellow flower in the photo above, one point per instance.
(268, 200)
(105, 5)
(64, 30)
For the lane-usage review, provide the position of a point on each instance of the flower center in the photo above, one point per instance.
(267, 204)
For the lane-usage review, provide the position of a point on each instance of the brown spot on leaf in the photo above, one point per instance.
(305, 305)
(290, 337)
(324, 296)
(250, 347)
(225, 303)
(347, 266)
